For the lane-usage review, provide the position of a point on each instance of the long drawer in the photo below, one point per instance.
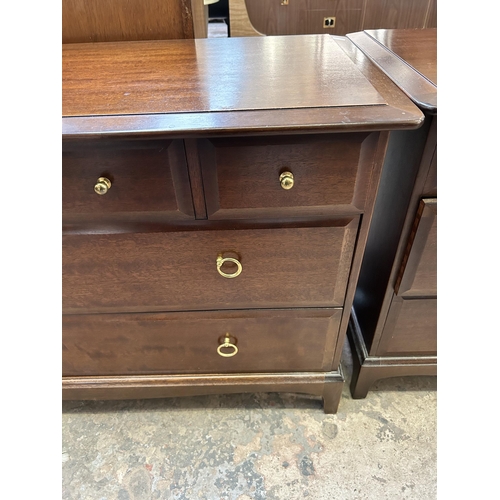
(202, 342)
(206, 270)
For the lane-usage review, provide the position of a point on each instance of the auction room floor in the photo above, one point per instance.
(255, 446)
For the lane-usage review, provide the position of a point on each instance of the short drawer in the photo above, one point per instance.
(325, 174)
(185, 270)
(249, 341)
(109, 179)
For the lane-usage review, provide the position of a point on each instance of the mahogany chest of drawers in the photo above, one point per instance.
(217, 196)
(393, 329)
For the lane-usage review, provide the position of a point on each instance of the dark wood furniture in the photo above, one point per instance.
(295, 17)
(393, 329)
(215, 213)
(118, 20)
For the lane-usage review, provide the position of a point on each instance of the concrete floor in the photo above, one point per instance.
(255, 446)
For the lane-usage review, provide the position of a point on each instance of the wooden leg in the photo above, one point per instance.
(366, 370)
(362, 380)
(332, 392)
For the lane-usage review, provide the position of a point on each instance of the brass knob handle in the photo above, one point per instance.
(227, 345)
(102, 186)
(220, 261)
(286, 180)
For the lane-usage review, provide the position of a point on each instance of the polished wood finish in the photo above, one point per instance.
(395, 14)
(328, 386)
(416, 47)
(331, 175)
(300, 257)
(409, 56)
(271, 17)
(410, 328)
(196, 178)
(431, 18)
(395, 307)
(200, 18)
(146, 177)
(240, 24)
(134, 81)
(117, 20)
(177, 271)
(303, 16)
(418, 273)
(107, 91)
(140, 344)
(367, 369)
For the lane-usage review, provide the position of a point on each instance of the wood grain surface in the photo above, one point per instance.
(260, 106)
(240, 24)
(396, 14)
(209, 75)
(393, 326)
(367, 369)
(326, 385)
(303, 16)
(100, 91)
(119, 20)
(416, 47)
(408, 57)
(271, 17)
(267, 341)
(331, 175)
(410, 329)
(146, 176)
(418, 273)
(177, 271)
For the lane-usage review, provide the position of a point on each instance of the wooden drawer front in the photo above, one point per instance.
(283, 267)
(418, 275)
(241, 177)
(411, 328)
(146, 176)
(267, 341)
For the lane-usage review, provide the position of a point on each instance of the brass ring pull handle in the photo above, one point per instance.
(220, 261)
(227, 345)
(102, 186)
(286, 180)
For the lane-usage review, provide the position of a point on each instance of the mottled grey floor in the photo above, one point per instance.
(255, 446)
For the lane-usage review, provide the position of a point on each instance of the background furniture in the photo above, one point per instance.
(119, 20)
(215, 214)
(294, 17)
(393, 329)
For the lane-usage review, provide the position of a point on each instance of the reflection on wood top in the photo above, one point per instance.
(418, 47)
(129, 82)
(408, 57)
(211, 75)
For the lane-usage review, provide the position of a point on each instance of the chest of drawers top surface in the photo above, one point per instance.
(408, 57)
(237, 84)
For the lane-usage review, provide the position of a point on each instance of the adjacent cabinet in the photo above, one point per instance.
(393, 328)
(215, 215)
